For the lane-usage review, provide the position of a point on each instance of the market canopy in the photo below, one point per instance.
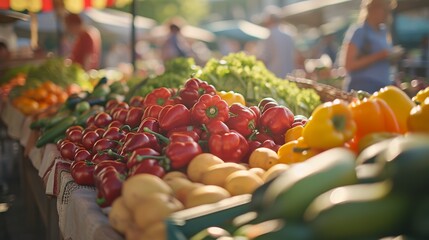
(188, 31)
(240, 30)
(74, 6)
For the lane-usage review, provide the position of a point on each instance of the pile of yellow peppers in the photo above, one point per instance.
(356, 125)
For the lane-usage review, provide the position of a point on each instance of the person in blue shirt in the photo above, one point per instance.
(367, 50)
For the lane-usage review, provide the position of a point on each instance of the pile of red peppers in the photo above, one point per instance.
(164, 131)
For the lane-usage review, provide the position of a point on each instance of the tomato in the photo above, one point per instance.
(82, 155)
(68, 150)
(89, 139)
(102, 119)
(74, 136)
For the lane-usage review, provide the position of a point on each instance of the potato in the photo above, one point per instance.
(154, 208)
(216, 175)
(205, 195)
(140, 186)
(274, 171)
(200, 163)
(119, 216)
(242, 182)
(174, 174)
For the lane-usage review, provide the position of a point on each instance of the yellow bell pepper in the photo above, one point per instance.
(421, 96)
(418, 120)
(399, 102)
(330, 125)
(295, 151)
(231, 97)
(293, 133)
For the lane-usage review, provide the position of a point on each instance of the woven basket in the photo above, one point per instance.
(327, 93)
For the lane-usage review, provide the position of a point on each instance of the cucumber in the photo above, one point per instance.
(290, 193)
(50, 135)
(407, 163)
(361, 211)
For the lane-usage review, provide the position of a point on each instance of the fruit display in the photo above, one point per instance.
(36, 100)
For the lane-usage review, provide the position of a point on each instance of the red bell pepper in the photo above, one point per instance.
(104, 144)
(134, 116)
(257, 113)
(241, 119)
(193, 89)
(150, 166)
(175, 116)
(114, 133)
(191, 131)
(152, 111)
(109, 185)
(139, 140)
(136, 101)
(159, 96)
(276, 120)
(230, 146)
(120, 166)
(136, 156)
(213, 127)
(83, 172)
(180, 150)
(209, 108)
(149, 122)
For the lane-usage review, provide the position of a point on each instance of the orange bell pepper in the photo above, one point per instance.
(418, 119)
(331, 125)
(373, 115)
(296, 151)
(399, 102)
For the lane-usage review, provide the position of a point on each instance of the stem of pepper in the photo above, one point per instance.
(100, 201)
(157, 135)
(212, 111)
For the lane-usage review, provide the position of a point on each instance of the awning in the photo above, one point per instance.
(74, 6)
(188, 31)
(239, 30)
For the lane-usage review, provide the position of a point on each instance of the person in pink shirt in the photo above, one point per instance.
(86, 48)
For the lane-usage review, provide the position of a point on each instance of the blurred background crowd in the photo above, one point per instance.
(305, 36)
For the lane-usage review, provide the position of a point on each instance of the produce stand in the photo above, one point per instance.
(67, 210)
(189, 191)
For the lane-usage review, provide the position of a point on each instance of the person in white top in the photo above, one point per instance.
(278, 50)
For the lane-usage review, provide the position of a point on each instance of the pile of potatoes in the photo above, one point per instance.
(147, 200)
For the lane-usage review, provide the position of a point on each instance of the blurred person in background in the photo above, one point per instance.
(367, 51)
(175, 45)
(278, 50)
(86, 49)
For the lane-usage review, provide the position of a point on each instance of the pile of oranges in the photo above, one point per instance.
(36, 100)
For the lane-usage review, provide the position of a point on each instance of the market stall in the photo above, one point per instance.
(97, 166)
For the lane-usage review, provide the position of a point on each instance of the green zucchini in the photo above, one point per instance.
(50, 135)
